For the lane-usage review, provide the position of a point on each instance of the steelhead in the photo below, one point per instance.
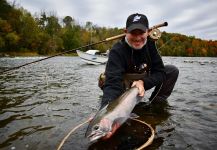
(116, 112)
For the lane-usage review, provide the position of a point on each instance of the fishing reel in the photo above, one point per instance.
(155, 34)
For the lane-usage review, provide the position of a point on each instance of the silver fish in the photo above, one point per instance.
(116, 112)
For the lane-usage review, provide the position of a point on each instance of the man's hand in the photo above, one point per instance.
(140, 85)
(114, 128)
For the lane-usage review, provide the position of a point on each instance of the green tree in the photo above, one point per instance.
(28, 32)
(71, 37)
(5, 8)
(2, 44)
(53, 27)
(5, 27)
(11, 41)
(68, 21)
(41, 20)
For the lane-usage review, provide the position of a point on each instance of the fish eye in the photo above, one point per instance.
(96, 127)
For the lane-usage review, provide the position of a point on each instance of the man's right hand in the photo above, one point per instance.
(140, 85)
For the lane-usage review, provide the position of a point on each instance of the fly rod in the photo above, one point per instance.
(88, 45)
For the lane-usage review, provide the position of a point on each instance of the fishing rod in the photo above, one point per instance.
(153, 33)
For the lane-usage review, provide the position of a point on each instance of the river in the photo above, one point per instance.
(40, 103)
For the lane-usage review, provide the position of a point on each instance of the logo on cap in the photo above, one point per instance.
(136, 18)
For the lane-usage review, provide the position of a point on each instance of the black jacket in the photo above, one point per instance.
(122, 59)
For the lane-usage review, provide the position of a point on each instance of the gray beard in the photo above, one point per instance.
(126, 40)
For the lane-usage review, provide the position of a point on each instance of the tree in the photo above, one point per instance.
(89, 26)
(71, 37)
(2, 44)
(68, 21)
(5, 8)
(11, 41)
(42, 20)
(5, 27)
(28, 40)
(53, 26)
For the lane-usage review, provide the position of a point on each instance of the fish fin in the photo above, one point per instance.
(142, 99)
(133, 116)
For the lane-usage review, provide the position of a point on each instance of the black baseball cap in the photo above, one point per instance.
(137, 21)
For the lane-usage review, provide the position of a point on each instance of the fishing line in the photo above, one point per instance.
(149, 102)
(150, 139)
(166, 43)
(72, 130)
(147, 143)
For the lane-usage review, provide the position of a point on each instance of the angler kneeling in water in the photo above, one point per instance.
(134, 61)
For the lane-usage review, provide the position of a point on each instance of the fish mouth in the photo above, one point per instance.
(94, 136)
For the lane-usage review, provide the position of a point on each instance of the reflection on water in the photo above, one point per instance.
(156, 115)
(40, 103)
(131, 135)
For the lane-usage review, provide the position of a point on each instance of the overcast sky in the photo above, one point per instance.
(190, 17)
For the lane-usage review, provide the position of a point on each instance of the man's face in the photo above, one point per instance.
(137, 38)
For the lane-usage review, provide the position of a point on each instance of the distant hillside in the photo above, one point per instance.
(21, 33)
(181, 45)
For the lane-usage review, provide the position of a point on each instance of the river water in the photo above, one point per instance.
(41, 103)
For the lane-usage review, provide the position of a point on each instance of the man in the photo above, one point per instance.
(137, 54)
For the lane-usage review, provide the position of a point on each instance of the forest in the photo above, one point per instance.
(22, 34)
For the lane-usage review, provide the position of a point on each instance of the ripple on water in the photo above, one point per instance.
(41, 103)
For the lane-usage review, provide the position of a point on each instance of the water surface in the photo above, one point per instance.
(39, 104)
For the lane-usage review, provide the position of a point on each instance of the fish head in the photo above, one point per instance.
(99, 130)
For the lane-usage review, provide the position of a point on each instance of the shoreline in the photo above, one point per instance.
(30, 54)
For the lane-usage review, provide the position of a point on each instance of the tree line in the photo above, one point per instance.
(46, 34)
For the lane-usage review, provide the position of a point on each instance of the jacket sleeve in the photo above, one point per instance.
(157, 74)
(113, 87)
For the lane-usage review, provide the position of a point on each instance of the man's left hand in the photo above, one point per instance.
(114, 128)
